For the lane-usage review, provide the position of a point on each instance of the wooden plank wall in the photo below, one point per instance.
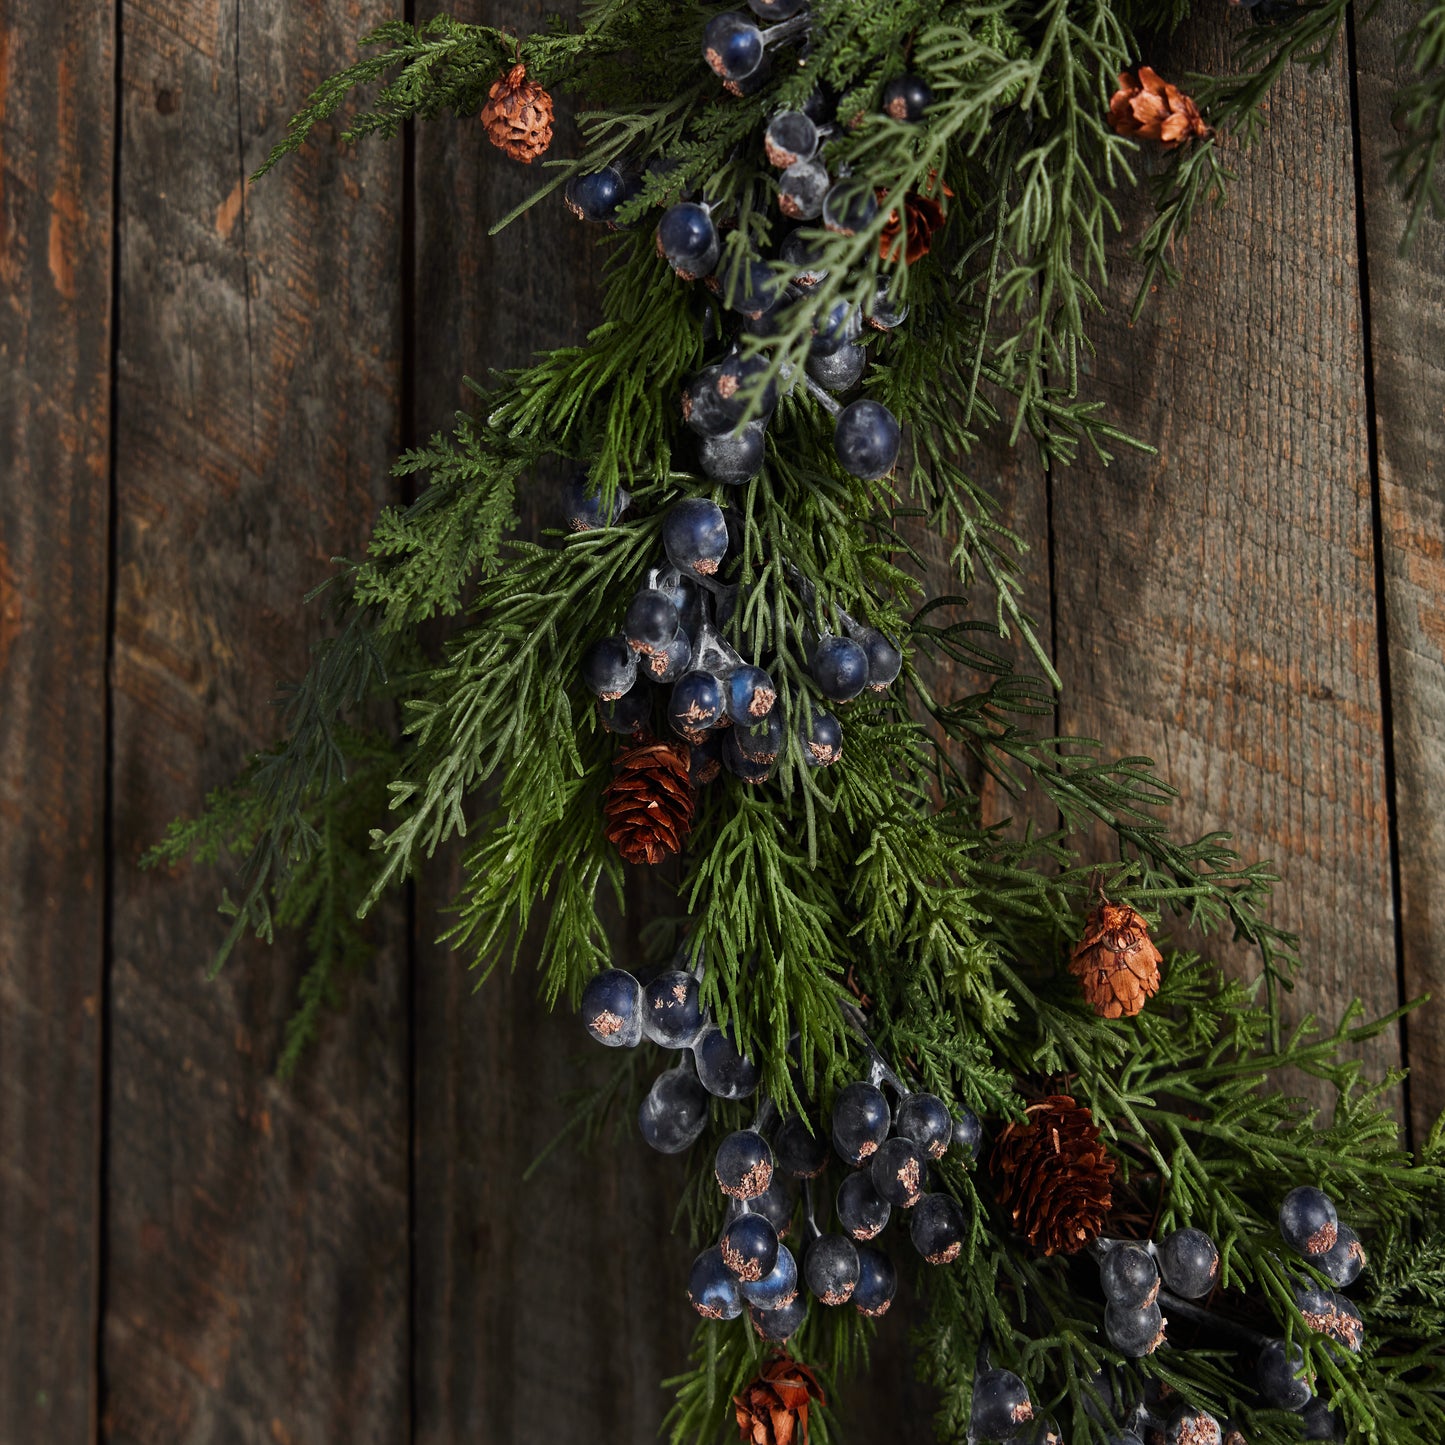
(201, 387)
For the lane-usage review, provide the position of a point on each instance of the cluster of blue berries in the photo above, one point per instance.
(1131, 1274)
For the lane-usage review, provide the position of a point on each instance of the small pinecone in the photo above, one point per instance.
(1155, 110)
(1053, 1175)
(649, 805)
(1116, 962)
(773, 1410)
(518, 115)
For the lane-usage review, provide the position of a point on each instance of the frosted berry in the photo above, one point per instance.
(743, 1165)
(750, 1247)
(713, 1287)
(1191, 1426)
(1331, 1315)
(584, 509)
(651, 621)
(776, 1290)
(839, 370)
(1189, 1263)
(779, 1325)
(595, 197)
(629, 714)
(1281, 1376)
(802, 189)
(882, 313)
(695, 705)
(672, 1012)
(1343, 1263)
(937, 1228)
(823, 741)
(867, 438)
(667, 664)
(1129, 1277)
(1001, 1405)
(743, 768)
(906, 98)
(761, 742)
(861, 1119)
(703, 407)
(724, 1072)
(1134, 1332)
(750, 694)
(742, 388)
(799, 1151)
(877, 1283)
(839, 326)
(924, 1118)
(1308, 1222)
(802, 254)
(675, 1112)
(695, 536)
(885, 661)
(791, 137)
(688, 240)
(612, 1009)
(732, 46)
(862, 1211)
(775, 1204)
(840, 668)
(831, 1268)
(899, 1170)
(733, 457)
(849, 206)
(752, 289)
(1319, 1422)
(609, 668)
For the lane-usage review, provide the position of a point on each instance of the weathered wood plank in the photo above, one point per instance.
(258, 1281)
(1407, 315)
(56, 157)
(1216, 603)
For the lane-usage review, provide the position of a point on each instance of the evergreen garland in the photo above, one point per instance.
(861, 920)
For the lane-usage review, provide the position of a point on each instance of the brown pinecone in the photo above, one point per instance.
(1053, 1175)
(773, 1410)
(1116, 962)
(518, 115)
(648, 806)
(1154, 109)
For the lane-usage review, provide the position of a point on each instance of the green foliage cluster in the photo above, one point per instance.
(880, 874)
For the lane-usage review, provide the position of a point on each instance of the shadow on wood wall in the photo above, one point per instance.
(201, 388)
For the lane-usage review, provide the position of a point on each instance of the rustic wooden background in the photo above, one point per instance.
(201, 388)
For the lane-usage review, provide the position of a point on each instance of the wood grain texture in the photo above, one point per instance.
(258, 1278)
(56, 152)
(1216, 603)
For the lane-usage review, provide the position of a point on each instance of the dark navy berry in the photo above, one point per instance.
(750, 1247)
(775, 1204)
(885, 661)
(1282, 1378)
(849, 206)
(790, 137)
(1129, 1277)
(696, 704)
(861, 1119)
(741, 387)
(866, 437)
(779, 1325)
(906, 98)
(675, 1111)
(695, 536)
(609, 668)
(937, 1228)
(752, 288)
(1001, 1406)
(1331, 1315)
(1308, 1221)
(823, 740)
(924, 1118)
(688, 240)
(840, 668)
(1319, 1422)
(1192, 1426)
(862, 1211)
(668, 663)
(750, 694)
(732, 45)
(704, 761)
(968, 1133)
(651, 621)
(596, 197)
(831, 1268)
(629, 714)
(1189, 1263)
(1343, 1263)
(743, 1164)
(839, 370)
(1134, 1332)
(761, 742)
(672, 1012)
(703, 407)
(836, 328)
(899, 1170)
(724, 1072)
(743, 768)
(802, 253)
(777, 1289)
(612, 1009)
(713, 1287)
(584, 509)
(877, 1283)
(735, 457)
(800, 1151)
(802, 189)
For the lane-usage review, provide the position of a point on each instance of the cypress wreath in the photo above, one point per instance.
(845, 241)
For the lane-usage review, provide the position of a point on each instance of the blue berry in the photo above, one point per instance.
(733, 458)
(1308, 1221)
(612, 1009)
(862, 1211)
(743, 1164)
(823, 741)
(867, 437)
(596, 197)
(629, 714)
(877, 1283)
(885, 661)
(802, 253)
(1319, 1422)
(584, 509)
(1343, 1263)
(1129, 1277)
(924, 1119)
(1282, 1378)
(839, 370)
(1189, 1263)
(899, 1171)
(761, 742)
(750, 1247)
(704, 761)
(882, 313)
(778, 1288)
(1331, 1315)
(672, 1012)
(668, 663)
(775, 1204)
(937, 1228)
(840, 668)
(651, 621)
(724, 1072)
(800, 1151)
(836, 328)
(753, 288)
(732, 46)
(831, 1268)
(743, 768)
(695, 536)
(741, 387)
(791, 137)
(750, 694)
(1001, 1406)
(849, 206)
(779, 1325)
(802, 188)
(1134, 1332)
(674, 1113)
(696, 704)
(861, 1119)
(713, 1287)
(906, 98)
(688, 240)
(609, 668)
(1193, 1426)
(703, 408)
(968, 1133)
